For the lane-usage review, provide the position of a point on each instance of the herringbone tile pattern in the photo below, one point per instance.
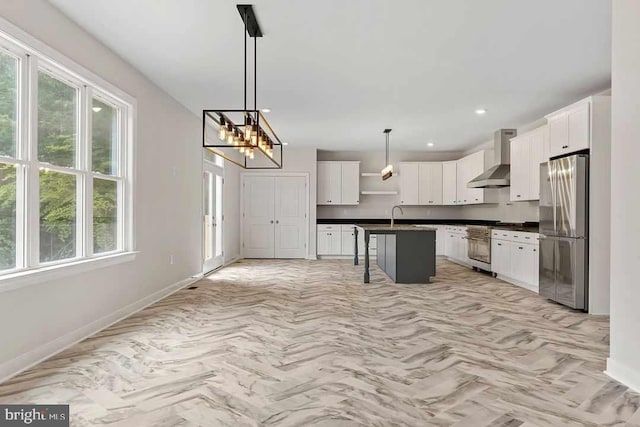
(297, 343)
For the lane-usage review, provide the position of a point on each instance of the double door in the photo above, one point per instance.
(275, 217)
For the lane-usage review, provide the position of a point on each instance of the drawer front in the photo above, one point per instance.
(325, 227)
(503, 235)
(348, 227)
(529, 238)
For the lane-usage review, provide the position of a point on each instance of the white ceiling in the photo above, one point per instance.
(336, 73)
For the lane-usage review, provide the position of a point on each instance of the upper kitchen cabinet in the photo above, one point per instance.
(338, 183)
(350, 183)
(430, 183)
(570, 129)
(409, 183)
(421, 183)
(468, 168)
(449, 183)
(528, 150)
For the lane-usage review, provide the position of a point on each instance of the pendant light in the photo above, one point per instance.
(387, 171)
(244, 133)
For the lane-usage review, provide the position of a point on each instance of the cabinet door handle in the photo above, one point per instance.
(520, 247)
(517, 195)
(565, 146)
(499, 244)
(277, 221)
(271, 221)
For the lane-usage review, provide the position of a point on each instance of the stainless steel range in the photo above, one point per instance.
(479, 246)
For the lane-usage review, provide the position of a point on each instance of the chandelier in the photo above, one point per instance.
(243, 137)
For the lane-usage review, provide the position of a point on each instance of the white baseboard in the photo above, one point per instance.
(528, 286)
(623, 374)
(231, 261)
(26, 360)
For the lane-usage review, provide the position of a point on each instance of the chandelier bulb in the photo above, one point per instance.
(222, 132)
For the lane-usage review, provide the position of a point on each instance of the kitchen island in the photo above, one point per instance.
(407, 253)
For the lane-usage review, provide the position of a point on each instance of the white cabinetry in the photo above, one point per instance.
(421, 183)
(350, 183)
(441, 234)
(329, 240)
(570, 129)
(430, 183)
(514, 257)
(468, 168)
(527, 152)
(455, 243)
(455, 177)
(449, 183)
(338, 240)
(338, 183)
(409, 183)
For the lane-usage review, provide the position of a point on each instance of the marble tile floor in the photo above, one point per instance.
(306, 343)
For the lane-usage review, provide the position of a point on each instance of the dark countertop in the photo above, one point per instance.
(531, 227)
(382, 221)
(525, 228)
(387, 228)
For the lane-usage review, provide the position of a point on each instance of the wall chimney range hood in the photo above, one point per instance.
(498, 175)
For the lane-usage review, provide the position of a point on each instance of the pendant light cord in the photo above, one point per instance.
(245, 60)
(387, 151)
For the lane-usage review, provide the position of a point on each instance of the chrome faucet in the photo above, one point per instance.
(393, 209)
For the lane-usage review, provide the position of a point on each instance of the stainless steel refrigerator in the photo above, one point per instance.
(564, 226)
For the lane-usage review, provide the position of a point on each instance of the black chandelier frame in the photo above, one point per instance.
(250, 117)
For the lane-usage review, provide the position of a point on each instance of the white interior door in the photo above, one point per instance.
(259, 217)
(212, 217)
(290, 217)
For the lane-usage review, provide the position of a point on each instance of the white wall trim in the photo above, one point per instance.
(623, 374)
(26, 360)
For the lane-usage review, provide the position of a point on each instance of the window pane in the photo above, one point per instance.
(7, 216)
(8, 105)
(57, 121)
(57, 216)
(105, 215)
(104, 132)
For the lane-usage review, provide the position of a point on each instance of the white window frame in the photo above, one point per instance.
(33, 56)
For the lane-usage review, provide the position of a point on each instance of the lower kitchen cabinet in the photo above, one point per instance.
(339, 241)
(514, 258)
(330, 240)
(456, 244)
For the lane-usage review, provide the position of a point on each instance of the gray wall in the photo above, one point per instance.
(624, 360)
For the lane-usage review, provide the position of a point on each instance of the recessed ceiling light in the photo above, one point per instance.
(97, 109)
(285, 143)
(430, 144)
(481, 111)
(266, 110)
